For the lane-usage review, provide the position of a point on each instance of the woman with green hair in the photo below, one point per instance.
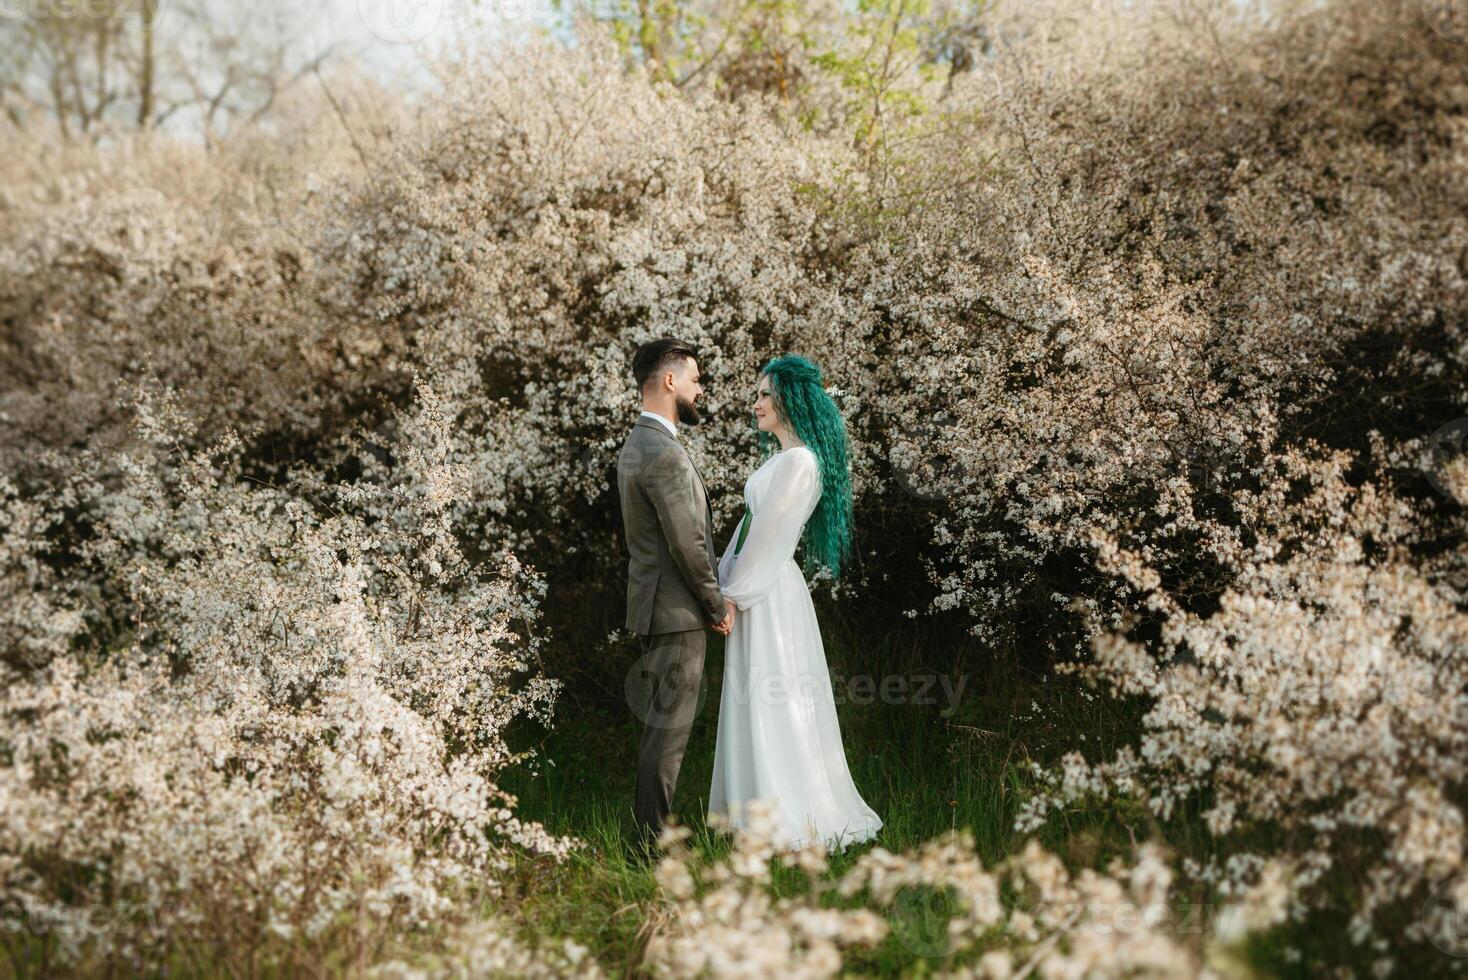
(778, 737)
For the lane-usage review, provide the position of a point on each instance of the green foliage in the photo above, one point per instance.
(885, 57)
(883, 61)
(662, 35)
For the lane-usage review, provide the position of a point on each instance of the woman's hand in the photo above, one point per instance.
(727, 624)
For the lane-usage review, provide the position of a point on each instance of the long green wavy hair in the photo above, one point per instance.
(802, 404)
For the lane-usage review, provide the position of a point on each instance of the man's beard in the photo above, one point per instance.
(688, 413)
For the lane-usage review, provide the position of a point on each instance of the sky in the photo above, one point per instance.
(392, 37)
(392, 40)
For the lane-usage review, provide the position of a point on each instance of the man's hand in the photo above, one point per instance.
(727, 623)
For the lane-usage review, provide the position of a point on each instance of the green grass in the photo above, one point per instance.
(922, 771)
(923, 768)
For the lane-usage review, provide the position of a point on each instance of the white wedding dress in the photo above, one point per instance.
(778, 738)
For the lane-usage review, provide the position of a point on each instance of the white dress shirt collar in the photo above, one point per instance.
(672, 429)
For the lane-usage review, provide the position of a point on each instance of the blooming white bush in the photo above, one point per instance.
(40, 617)
(157, 257)
(723, 918)
(1175, 267)
(487, 948)
(1026, 914)
(1321, 702)
(299, 741)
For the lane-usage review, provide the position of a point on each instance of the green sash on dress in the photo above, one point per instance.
(743, 530)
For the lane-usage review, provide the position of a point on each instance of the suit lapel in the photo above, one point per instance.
(706, 505)
(648, 423)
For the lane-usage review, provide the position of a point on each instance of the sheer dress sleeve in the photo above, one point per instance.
(774, 530)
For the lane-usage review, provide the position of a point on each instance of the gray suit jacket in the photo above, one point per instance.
(671, 582)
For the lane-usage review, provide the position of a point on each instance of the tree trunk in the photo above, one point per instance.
(146, 68)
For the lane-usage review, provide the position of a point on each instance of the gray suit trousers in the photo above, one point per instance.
(667, 691)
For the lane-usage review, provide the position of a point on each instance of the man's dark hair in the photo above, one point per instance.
(657, 356)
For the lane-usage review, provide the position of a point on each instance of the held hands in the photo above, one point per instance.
(727, 623)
